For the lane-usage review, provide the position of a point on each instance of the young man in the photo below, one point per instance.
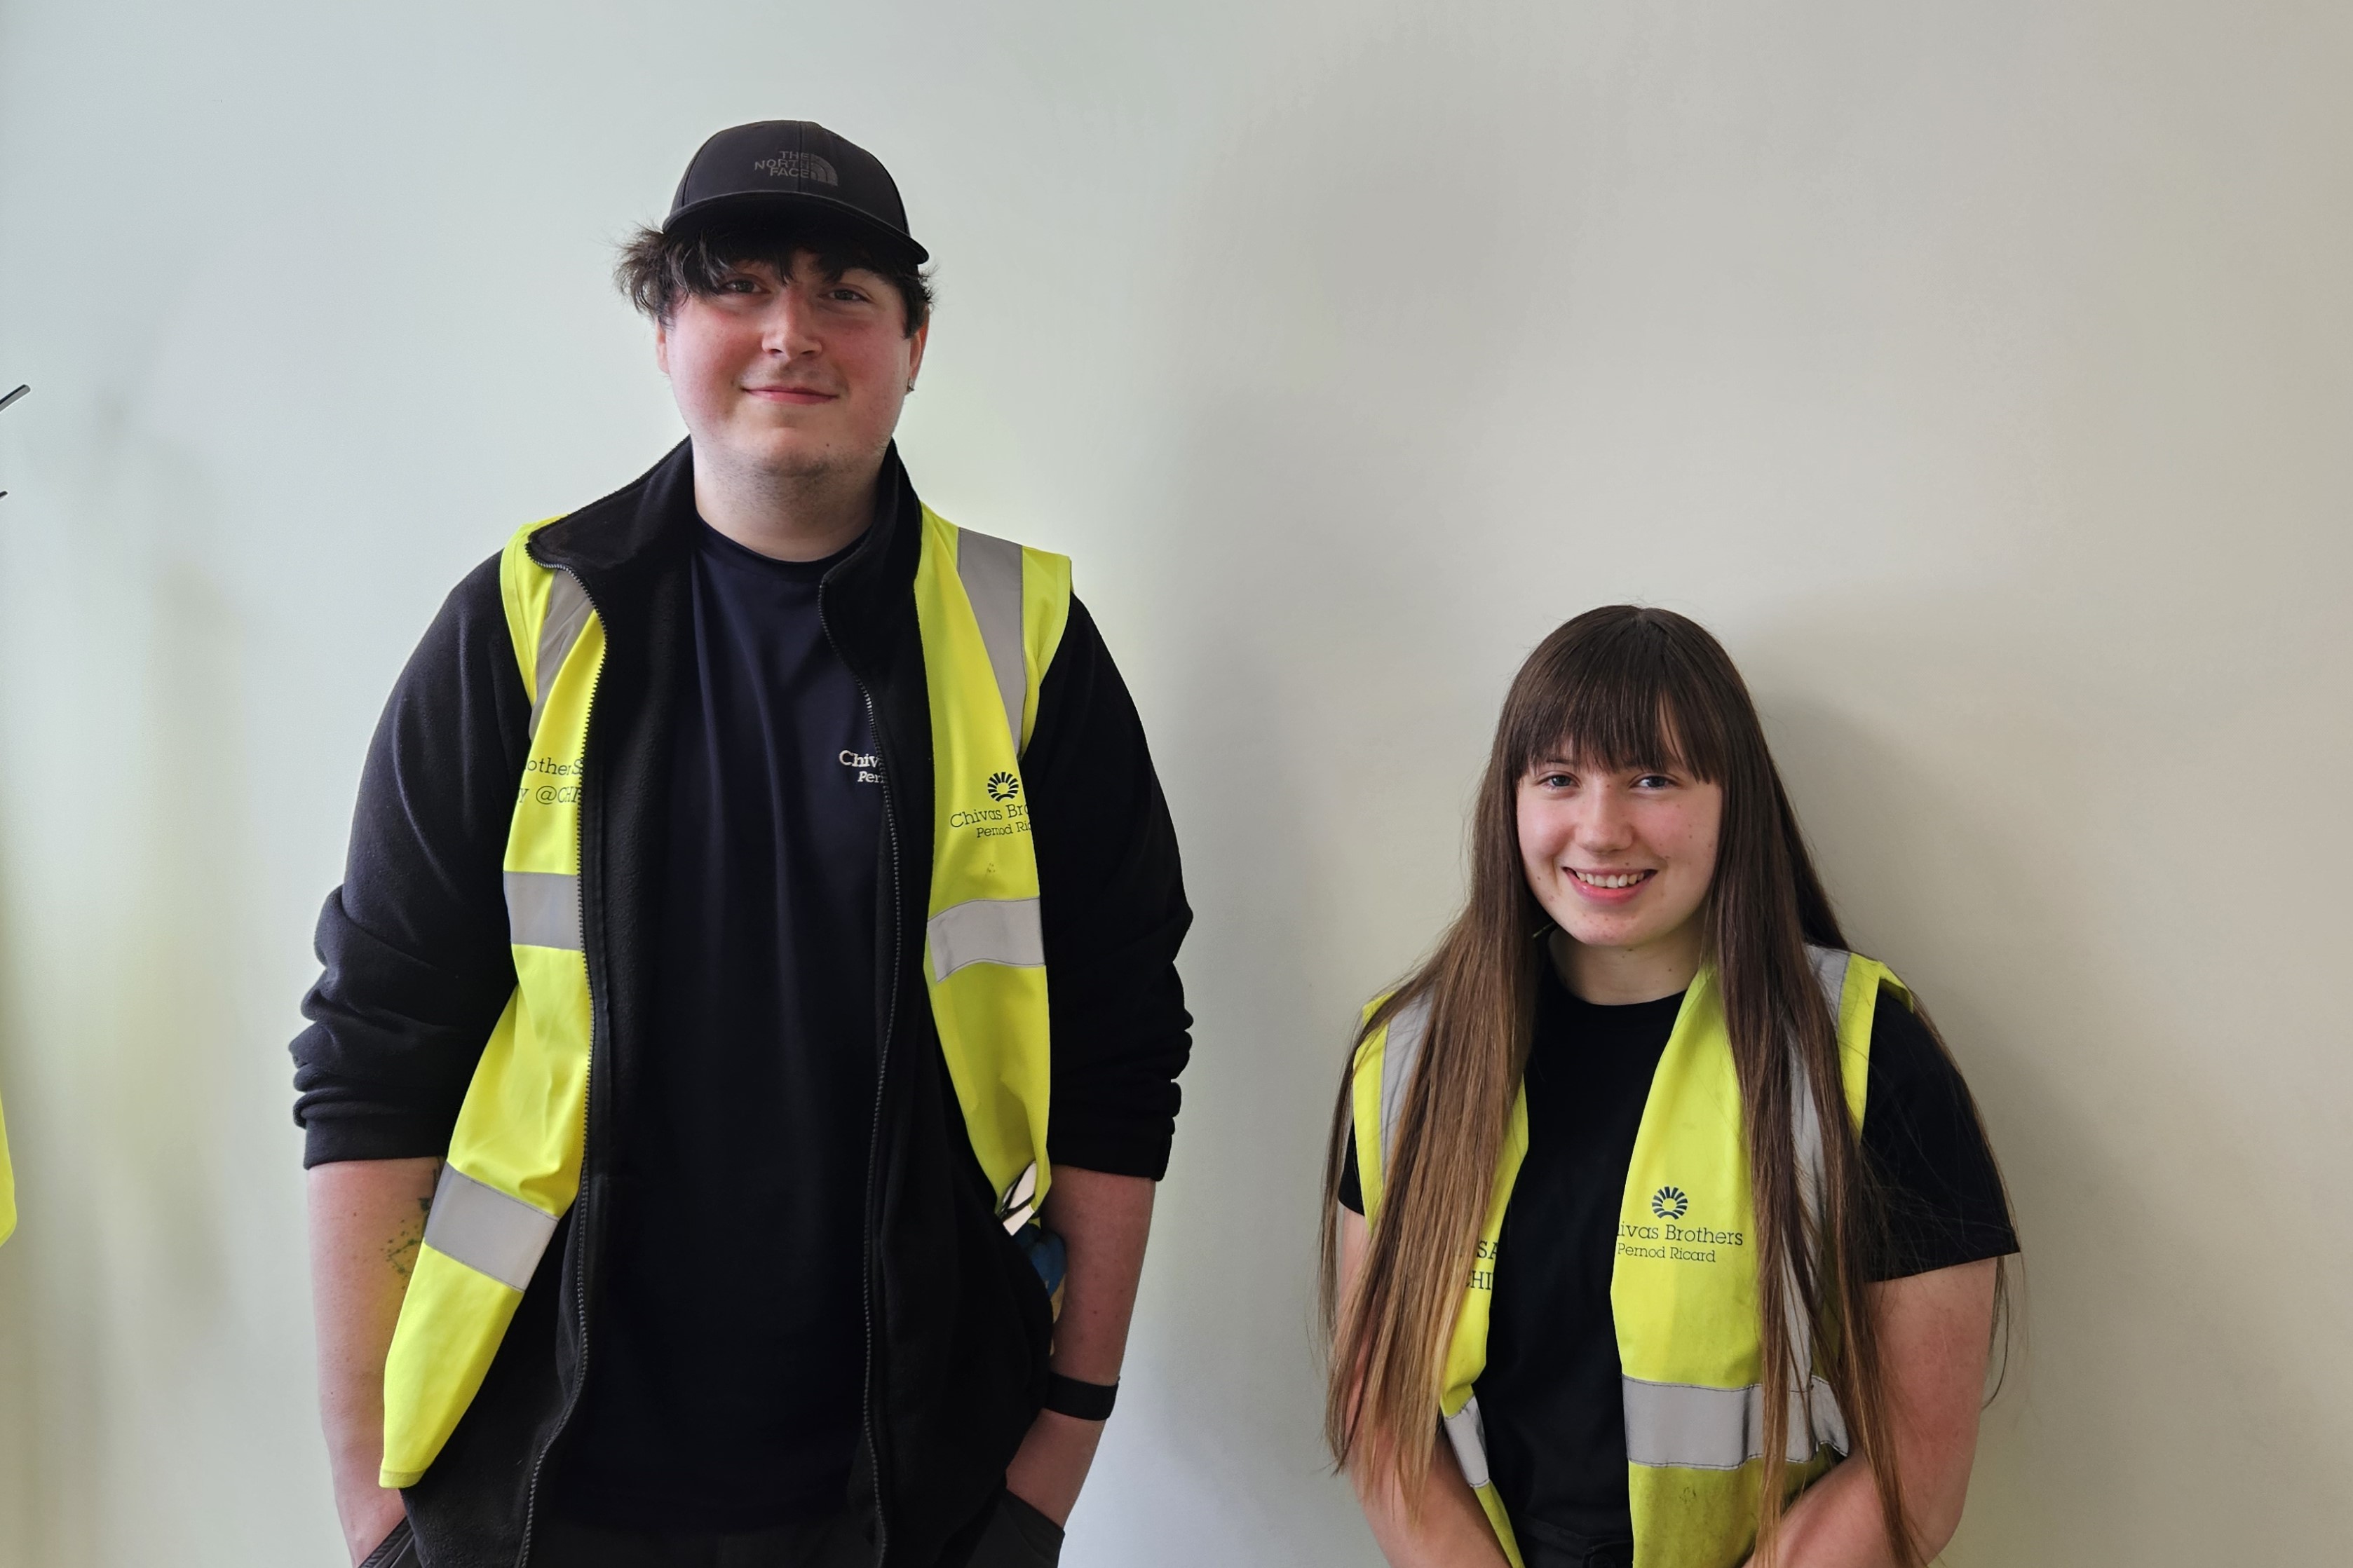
(743, 866)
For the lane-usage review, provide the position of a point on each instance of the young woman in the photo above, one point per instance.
(1671, 1215)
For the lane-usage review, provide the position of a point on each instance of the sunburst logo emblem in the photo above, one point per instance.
(1669, 1203)
(1003, 786)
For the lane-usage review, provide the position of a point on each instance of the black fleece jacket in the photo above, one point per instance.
(417, 968)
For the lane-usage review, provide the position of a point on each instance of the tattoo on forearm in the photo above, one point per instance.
(401, 1250)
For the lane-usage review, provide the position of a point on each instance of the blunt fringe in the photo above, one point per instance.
(1619, 687)
(657, 271)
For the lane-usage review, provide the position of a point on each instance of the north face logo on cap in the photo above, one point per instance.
(799, 166)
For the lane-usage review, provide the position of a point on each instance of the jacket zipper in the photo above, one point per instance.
(874, 1131)
(882, 1080)
(874, 1143)
(581, 1227)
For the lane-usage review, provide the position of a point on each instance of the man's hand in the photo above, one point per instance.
(367, 1220)
(1104, 1221)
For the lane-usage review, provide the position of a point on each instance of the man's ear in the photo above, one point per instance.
(916, 343)
(661, 347)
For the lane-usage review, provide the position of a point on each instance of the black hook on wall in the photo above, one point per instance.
(9, 399)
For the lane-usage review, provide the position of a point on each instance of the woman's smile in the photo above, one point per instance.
(1610, 887)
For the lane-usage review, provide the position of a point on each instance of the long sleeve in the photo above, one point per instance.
(414, 944)
(1113, 910)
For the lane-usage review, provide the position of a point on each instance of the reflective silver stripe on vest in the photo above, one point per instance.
(1408, 1029)
(1695, 1428)
(567, 615)
(1829, 1422)
(1408, 1026)
(1468, 1432)
(486, 1230)
(991, 569)
(985, 930)
(1816, 1418)
(543, 910)
(1830, 971)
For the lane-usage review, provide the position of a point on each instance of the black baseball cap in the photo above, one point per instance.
(793, 163)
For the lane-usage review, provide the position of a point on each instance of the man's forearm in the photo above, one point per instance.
(1104, 1221)
(367, 1221)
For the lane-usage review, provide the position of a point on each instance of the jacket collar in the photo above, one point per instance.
(649, 518)
(864, 598)
(617, 544)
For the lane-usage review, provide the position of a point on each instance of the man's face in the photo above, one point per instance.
(794, 376)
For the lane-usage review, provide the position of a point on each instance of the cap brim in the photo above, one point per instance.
(696, 215)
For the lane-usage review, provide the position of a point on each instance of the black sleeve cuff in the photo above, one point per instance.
(1115, 1146)
(329, 1140)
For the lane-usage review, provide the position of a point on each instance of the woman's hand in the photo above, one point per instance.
(1453, 1531)
(1935, 1331)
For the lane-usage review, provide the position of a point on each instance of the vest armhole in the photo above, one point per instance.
(1045, 616)
(1364, 1106)
(514, 564)
(1855, 1074)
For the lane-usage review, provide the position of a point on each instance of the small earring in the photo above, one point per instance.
(910, 387)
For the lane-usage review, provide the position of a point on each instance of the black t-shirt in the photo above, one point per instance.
(724, 1392)
(1550, 1398)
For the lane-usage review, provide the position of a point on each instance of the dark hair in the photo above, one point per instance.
(658, 271)
(1618, 687)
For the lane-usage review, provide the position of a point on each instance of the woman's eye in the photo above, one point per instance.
(1654, 781)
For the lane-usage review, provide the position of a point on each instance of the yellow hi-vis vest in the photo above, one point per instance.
(991, 615)
(1683, 1286)
(8, 1186)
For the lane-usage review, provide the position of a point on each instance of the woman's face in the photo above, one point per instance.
(1620, 859)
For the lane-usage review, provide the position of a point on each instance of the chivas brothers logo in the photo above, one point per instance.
(1004, 815)
(1670, 1240)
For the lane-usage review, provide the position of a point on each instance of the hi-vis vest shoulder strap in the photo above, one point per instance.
(1683, 1286)
(991, 615)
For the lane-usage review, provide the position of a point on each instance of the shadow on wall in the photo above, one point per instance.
(1966, 807)
(30, 1466)
(124, 944)
(1317, 758)
(1302, 743)
(175, 1051)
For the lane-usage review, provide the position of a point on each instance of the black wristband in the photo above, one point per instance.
(1085, 1401)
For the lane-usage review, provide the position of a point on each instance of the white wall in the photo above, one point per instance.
(1979, 372)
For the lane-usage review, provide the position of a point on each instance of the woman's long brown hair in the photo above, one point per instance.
(1620, 687)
